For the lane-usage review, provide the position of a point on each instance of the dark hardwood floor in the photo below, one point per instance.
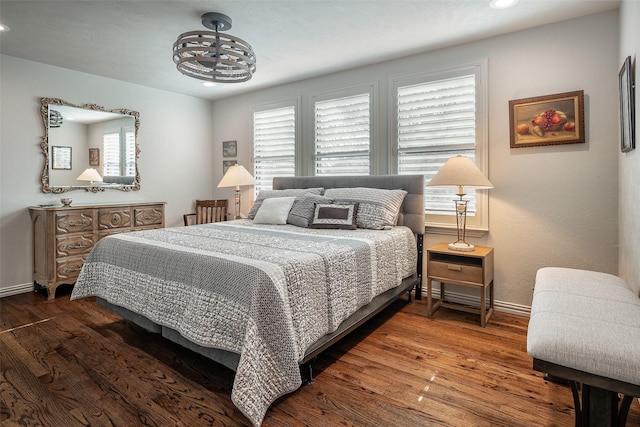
(73, 363)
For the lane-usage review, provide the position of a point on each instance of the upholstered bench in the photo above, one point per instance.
(585, 328)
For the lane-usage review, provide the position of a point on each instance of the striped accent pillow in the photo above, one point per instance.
(378, 208)
(302, 210)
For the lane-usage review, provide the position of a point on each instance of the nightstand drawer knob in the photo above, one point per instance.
(454, 267)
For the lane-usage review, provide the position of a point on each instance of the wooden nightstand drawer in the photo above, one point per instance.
(455, 271)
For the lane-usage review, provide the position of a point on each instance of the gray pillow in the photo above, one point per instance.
(378, 208)
(290, 192)
(303, 207)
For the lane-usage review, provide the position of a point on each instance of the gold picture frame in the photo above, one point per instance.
(547, 120)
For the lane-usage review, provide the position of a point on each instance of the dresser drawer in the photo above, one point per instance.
(67, 269)
(72, 245)
(148, 216)
(455, 271)
(114, 218)
(73, 222)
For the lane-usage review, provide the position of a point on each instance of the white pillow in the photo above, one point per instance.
(274, 210)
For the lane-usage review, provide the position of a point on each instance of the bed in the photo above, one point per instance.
(265, 298)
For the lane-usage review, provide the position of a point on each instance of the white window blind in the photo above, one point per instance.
(436, 120)
(130, 152)
(115, 142)
(274, 140)
(111, 153)
(342, 135)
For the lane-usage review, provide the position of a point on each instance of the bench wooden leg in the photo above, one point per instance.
(599, 407)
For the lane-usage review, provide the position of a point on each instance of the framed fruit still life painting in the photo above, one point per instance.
(547, 120)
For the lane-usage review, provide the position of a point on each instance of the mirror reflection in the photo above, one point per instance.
(88, 147)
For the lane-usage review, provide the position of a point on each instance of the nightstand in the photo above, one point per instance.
(470, 269)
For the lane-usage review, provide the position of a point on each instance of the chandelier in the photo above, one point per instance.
(213, 56)
(55, 119)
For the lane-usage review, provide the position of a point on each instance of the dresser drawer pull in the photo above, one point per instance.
(78, 245)
(454, 267)
(68, 270)
(77, 223)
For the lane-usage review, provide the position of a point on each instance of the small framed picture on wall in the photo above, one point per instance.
(94, 157)
(61, 158)
(226, 164)
(229, 148)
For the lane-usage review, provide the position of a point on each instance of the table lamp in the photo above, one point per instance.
(460, 172)
(236, 176)
(90, 175)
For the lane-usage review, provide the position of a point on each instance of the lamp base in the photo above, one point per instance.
(461, 247)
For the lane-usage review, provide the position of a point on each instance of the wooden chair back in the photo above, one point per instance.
(208, 211)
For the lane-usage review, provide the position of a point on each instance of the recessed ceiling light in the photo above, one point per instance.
(502, 4)
(208, 84)
(4, 27)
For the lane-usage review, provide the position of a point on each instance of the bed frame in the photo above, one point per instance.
(411, 215)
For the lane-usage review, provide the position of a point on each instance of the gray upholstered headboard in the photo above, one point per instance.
(411, 212)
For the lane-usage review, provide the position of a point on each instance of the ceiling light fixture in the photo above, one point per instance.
(55, 119)
(213, 56)
(502, 4)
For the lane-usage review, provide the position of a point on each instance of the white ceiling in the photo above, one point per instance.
(132, 40)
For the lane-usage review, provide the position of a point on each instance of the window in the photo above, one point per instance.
(118, 141)
(342, 135)
(274, 141)
(111, 149)
(439, 116)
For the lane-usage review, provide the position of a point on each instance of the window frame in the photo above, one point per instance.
(478, 224)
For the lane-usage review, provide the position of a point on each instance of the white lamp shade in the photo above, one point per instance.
(91, 175)
(460, 171)
(236, 176)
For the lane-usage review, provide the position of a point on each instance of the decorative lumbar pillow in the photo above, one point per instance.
(335, 216)
(290, 192)
(274, 210)
(302, 210)
(378, 208)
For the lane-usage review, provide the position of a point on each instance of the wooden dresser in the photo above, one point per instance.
(64, 235)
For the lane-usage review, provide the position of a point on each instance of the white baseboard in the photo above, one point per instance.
(473, 300)
(16, 289)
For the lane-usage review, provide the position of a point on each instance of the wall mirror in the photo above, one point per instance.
(98, 147)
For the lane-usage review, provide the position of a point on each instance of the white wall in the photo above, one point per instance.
(552, 205)
(629, 187)
(175, 160)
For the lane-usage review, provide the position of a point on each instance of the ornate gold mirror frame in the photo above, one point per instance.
(52, 119)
